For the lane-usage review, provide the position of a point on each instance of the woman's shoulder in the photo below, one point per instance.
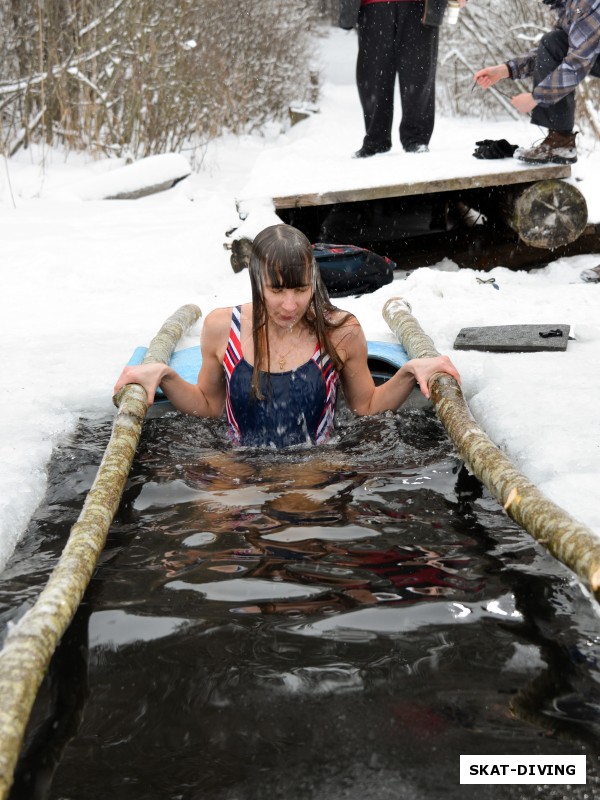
(342, 322)
(217, 324)
(221, 317)
(346, 332)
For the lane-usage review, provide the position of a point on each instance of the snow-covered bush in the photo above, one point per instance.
(146, 76)
(141, 77)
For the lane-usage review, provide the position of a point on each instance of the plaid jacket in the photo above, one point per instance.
(580, 20)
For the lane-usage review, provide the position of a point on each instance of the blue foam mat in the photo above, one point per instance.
(390, 352)
(187, 362)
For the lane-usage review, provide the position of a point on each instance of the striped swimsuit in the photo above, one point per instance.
(298, 406)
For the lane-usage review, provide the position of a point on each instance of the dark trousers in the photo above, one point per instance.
(392, 41)
(552, 49)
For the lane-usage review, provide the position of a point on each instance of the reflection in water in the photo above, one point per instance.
(334, 622)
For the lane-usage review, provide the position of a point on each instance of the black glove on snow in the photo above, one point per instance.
(494, 148)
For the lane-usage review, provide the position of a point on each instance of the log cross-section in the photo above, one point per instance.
(546, 214)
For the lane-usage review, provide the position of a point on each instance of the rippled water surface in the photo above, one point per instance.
(333, 622)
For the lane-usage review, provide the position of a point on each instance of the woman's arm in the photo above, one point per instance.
(362, 396)
(206, 398)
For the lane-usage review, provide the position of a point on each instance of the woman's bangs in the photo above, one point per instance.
(289, 274)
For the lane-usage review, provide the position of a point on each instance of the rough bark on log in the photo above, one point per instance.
(545, 214)
(568, 540)
(31, 641)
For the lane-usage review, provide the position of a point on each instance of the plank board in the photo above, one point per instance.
(415, 187)
(513, 338)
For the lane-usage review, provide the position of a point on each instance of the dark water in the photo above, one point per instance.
(423, 625)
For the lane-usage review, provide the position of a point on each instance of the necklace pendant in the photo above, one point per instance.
(281, 364)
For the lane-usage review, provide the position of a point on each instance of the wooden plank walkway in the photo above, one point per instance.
(316, 171)
(415, 187)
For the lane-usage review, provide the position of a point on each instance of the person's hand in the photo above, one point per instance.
(148, 376)
(488, 76)
(424, 368)
(524, 102)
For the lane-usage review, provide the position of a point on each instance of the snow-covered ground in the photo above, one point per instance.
(86, 280)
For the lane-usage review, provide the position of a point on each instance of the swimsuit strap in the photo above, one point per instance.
(233, 353)
(330, 378)
(232, 357)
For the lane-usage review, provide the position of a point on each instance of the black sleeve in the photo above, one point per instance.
(348, 13)
(433, 12)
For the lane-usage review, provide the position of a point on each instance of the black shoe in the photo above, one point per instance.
(416, 148)
(368, 150)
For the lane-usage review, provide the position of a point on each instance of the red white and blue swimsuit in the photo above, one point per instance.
(298, 406)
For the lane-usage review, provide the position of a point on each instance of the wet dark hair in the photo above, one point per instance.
(283, 257)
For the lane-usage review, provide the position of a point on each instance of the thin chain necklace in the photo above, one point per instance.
(282, 358)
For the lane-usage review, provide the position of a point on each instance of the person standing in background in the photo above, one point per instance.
(396, 37)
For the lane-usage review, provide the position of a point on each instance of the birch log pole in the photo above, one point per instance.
(30, 643)
(567, 539)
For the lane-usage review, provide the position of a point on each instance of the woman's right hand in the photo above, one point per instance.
(148, 376)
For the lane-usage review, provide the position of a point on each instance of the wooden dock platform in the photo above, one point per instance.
(299, 175)
(412, 207)
(418, 186)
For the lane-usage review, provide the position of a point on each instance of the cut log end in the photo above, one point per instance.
(241, 250)
(547, 214)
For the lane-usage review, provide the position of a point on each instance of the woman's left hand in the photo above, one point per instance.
(423, 369)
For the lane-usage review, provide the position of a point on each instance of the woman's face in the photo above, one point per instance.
(287, 306)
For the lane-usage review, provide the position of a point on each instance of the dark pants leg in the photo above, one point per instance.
(376, 72)
(392, 40)
(416, 52)
(552, 49)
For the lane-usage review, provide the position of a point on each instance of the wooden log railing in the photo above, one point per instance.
(568, 540)
(31, 641)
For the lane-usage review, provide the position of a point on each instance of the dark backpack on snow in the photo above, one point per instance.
(347, 269)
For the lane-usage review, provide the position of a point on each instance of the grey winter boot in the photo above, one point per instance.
(557, 148)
